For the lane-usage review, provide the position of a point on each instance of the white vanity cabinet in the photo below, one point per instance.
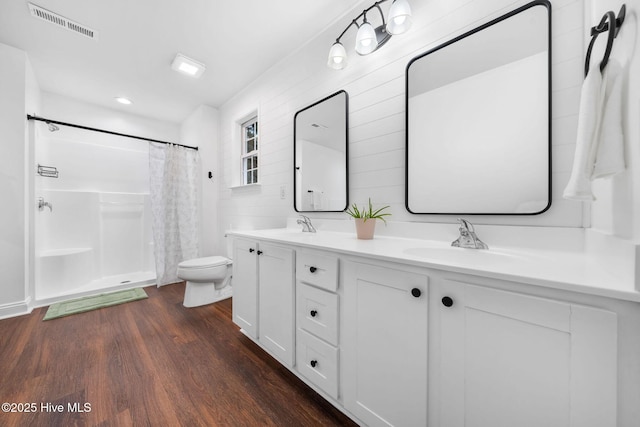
(396, 342)
(263, 295)
(504, 359)
(384, 344)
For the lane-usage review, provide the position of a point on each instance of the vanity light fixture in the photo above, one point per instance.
(368, 38)
(188, 66)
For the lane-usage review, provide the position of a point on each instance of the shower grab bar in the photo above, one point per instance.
(47, 171)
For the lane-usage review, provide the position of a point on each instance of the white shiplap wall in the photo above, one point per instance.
(375, 85)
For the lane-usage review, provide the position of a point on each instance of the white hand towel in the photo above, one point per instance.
(610, 142)
(317, 199)
(579, 186)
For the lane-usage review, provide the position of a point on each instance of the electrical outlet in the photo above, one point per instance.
(283, 191)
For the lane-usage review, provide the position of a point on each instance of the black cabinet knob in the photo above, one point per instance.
(259, 252)
(416, 292)
(251, 250)
(313, 313)
(314, 363)
(447, 301)
(312, 269)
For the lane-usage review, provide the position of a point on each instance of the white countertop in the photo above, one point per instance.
(576, 271)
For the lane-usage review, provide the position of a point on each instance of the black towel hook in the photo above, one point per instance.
(612, 34)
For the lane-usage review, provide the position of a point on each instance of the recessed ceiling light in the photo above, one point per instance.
(125, 101)
(187, 66)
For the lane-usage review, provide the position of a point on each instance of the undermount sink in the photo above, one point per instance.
(455, 253)
(297, 235)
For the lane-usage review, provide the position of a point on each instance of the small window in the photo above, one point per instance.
(250, 151)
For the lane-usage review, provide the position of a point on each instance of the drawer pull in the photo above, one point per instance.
(314, 363)
(251, 250)
(259, 252)
(313, 313)
(416, 292)
(447, 301)
(312, 269)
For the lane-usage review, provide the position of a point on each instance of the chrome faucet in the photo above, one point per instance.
(42, 204)
(468, 238)
(306, 224)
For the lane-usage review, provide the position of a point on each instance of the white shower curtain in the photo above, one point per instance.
(173, 172)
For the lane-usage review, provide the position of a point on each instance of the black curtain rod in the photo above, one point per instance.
(55, 122)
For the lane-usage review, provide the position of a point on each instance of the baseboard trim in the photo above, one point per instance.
(15, 309)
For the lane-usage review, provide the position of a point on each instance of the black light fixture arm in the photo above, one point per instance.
(377, 5)
(345, 30)
(363, 14)
(42, 119)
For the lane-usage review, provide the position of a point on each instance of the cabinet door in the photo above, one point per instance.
(245, 286)
(276, 296)
(384, 370)
(504, 359)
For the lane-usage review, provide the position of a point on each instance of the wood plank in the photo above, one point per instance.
(151, 362)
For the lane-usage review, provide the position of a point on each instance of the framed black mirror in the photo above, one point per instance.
(320, 155)
(478, 122)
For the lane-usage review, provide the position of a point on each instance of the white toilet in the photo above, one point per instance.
(208, 280)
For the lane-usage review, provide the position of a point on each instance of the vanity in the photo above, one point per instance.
(540, 329)
(412, 332)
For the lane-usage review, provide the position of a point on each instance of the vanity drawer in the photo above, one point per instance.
(318, 269)
(318, 312)
(318, 362)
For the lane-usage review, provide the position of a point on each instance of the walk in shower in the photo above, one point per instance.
(93, 216)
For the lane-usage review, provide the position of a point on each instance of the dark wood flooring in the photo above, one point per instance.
(149, 363)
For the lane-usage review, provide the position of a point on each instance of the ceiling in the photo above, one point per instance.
(138, 39)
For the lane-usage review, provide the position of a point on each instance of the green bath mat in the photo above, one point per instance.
(80, 305)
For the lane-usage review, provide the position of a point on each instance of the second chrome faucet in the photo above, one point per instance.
(305, 221)
(468, 238)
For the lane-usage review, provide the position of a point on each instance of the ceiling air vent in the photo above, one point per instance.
(61, 21)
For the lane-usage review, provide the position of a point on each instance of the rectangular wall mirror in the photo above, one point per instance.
(320, 154)
(478, 119)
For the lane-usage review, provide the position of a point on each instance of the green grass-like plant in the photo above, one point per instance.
(368, 213)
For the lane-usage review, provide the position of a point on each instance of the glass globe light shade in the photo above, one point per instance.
(399, 19)
(366, 41)
(337, 57)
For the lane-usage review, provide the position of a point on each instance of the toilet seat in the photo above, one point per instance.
(205, 262)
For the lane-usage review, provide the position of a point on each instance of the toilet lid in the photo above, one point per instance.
(210, 261)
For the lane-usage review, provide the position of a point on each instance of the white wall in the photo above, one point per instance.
(375, 85)
(117, 119)
(12, 175)
(33, 104)
(200, 130)
(19, 94)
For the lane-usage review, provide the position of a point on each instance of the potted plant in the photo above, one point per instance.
(366, 219)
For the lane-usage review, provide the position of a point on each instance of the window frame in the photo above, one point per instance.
(250, 174)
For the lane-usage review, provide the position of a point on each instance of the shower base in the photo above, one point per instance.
(105, 284)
